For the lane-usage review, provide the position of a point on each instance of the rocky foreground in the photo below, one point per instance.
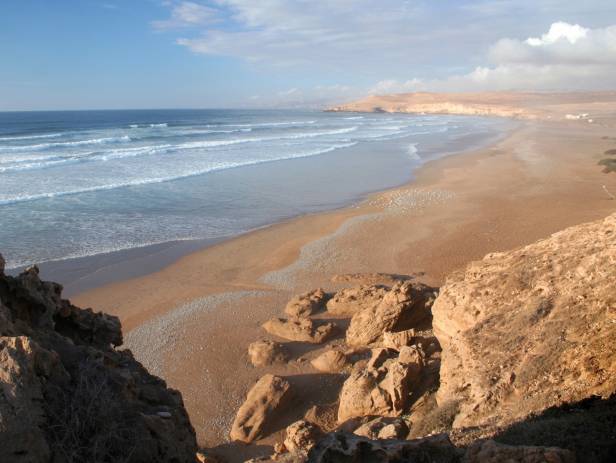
(511, 360)
(518, 349)
(68, 395)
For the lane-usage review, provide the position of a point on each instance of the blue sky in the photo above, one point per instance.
(70, 54)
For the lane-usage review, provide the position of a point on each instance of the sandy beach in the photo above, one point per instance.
(192, 321)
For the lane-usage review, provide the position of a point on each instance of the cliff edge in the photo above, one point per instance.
(68, 395)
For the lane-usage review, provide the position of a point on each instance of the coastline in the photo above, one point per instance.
(355, 171)
(205, 308)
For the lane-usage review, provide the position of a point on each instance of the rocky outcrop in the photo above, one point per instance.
(331, 361)
(381, 388)
(349, 301)
(399, 339)
(383, 428)
(264, 352)
(68, 395)
(301, 436)
(302, 329)
(260, 407)
(306, 304)
(531, 328)
(402, 308)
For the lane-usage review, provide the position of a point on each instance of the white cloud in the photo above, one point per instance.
(187, 14)
(567, 57)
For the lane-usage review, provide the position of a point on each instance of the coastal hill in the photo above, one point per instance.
(522, 105)
(511, 360)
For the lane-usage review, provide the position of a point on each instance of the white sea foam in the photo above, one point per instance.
(31, 137)
(413, 152)
(60, 144)
(11, 199)
(164, 124)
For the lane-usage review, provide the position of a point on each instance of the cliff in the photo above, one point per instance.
(67, 394)
(521, 105)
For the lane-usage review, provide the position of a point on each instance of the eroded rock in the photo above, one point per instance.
(331, 361)
(262, 404)
(401, 308)
(349, 301)
(398, 339)
(265, 352)
(66, 390)
(383, 428)
(303, 329)
(301, 436)
(528, 329)
(306, 304)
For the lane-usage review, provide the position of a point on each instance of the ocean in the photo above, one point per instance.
(85, 183)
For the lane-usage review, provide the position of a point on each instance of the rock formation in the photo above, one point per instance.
(381, 388)
(349, 301)
(263, 353)
(531, 328)
(306, 304)
(402, 308)
(302, 329)
(68, 395)
(301, 436)
(260, 407)
(331, 361)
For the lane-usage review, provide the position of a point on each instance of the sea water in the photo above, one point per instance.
(83, 183)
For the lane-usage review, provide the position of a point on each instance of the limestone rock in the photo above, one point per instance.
(331, 361)
(532, 328)
(402, 308)
(301, 436)
(398, 339)
(349, 301)
(264, 352)
(306, 304)
(65, 388)
(492, 452)
(383, 428)
(260, 407)
(382, 388)
(303, 329)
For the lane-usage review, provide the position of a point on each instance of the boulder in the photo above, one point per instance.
(306, 304)
(265, 352)
(383, 428)
(349, 301)
(331, 361)
(262, 404)
(402, 308)
(398, 339)
(301, 436)
(303, 329)
(493, 452)
(529, 329)
(383, 391)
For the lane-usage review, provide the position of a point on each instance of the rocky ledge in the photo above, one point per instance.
(67, 394)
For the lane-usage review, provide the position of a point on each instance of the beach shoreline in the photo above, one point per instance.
(86, 273)
(192, 321)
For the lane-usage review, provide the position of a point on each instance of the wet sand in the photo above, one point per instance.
(192, 321)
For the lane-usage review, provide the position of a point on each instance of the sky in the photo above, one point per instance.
(120, 54)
